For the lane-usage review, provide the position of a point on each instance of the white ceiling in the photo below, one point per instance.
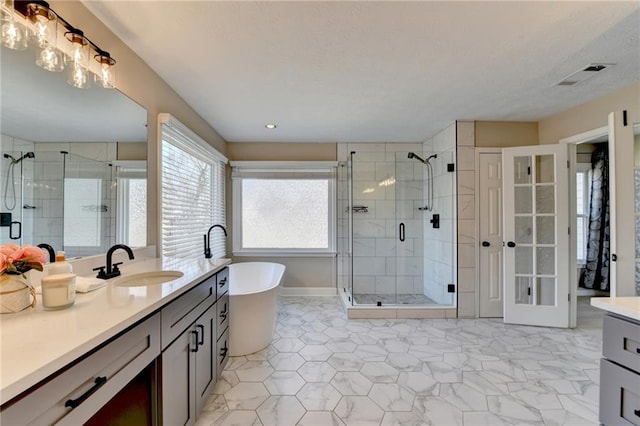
(376, 71)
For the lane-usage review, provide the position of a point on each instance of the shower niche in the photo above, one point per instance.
(396, 225)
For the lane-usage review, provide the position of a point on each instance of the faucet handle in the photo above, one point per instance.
(101, 273)
(115, 267)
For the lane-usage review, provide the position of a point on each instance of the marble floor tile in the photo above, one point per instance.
(323, 369)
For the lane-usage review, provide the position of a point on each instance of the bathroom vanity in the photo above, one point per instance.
(620, 365)
(153, 352)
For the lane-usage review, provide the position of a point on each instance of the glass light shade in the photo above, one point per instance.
(106, 76)
(79, 54)
(13, 35)
(78, 76)
(6, 10)
(44, 31)
(50, 59)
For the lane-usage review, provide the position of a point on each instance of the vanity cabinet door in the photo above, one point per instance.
(205, 362)
(178, 380)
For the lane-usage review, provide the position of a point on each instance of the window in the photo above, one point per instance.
(283, 208)
(192, 191)
(132, 202)
(583, 191)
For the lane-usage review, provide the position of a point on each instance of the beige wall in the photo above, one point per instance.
(504, 134)
(280, 151)
(300, 271)
(132, 151)
(144, 86)
(590, 115)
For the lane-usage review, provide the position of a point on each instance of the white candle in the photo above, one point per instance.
(58, 291)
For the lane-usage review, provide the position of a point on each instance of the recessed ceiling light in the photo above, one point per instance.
(270, 126)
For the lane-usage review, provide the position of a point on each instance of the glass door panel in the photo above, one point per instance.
(535, 253)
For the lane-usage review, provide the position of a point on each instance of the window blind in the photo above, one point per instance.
(192, 180)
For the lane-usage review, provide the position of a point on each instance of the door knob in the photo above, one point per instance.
(486, 244)
(511, 244)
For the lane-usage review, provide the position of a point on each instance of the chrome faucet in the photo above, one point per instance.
(49, 249)
(112, 270)
(207, 240)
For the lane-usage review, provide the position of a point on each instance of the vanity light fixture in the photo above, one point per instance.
(45, 34)
(13, 34)
(270, 126)
(40, 26)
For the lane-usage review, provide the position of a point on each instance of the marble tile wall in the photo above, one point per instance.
(439, 243)
(48, 194)
(466, 243)
(15, 146)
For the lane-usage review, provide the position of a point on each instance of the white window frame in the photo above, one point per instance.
(586, 196)
(190, 244)
(290, 170)
(125, 171)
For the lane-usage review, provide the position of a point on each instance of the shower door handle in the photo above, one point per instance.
(15, 237)
(401, 231)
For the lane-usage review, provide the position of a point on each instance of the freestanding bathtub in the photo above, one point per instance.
(253, 290)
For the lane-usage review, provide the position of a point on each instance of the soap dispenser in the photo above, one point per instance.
(61, 266)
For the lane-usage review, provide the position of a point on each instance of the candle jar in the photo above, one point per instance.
(58, 291)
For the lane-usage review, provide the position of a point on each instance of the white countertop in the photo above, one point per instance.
(37, 343)
(625, 306)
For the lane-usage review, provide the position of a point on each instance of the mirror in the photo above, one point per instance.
(72, 161)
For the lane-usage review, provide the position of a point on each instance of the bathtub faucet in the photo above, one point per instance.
(207, 240)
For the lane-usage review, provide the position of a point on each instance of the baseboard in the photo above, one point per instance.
(308, 291)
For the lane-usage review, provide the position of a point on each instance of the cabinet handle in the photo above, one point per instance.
(223, 352)
(73, 403)
(224, 314)
(222, 282)
(195, 333)
(201, 337)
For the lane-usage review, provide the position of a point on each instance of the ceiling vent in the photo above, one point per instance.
(583, 74)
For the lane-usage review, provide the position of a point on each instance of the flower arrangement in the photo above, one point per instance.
(16, 260)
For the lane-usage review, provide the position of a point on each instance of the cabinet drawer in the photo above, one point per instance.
(72, 396)
(621, 342)
(182, 312)
(619, 395)
(222, 351)
(222, 316)
(222, 286)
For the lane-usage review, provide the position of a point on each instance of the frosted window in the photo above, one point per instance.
(83, 210)
(285, 214)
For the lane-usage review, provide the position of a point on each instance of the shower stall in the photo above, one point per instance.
(58, 198)
(397, 227)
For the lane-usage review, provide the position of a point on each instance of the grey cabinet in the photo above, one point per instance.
(77, 392)
(188, 371)
(194, 334)
(620, 372)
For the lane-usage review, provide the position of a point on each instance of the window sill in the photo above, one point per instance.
(292, 253)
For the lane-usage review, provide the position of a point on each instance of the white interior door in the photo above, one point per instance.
(621, 205)
(490, 266)
(536, 225)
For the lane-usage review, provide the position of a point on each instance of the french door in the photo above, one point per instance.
(536, 233)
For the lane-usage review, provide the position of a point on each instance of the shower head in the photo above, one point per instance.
(29, 154)
(417, 157)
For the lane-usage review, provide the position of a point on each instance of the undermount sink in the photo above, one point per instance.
(147, 278)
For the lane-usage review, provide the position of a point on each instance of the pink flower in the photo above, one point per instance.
(3, 263)
(9, 249)
(31, 254)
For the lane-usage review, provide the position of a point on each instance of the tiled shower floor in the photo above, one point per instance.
(390, 299)
(323, 369)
